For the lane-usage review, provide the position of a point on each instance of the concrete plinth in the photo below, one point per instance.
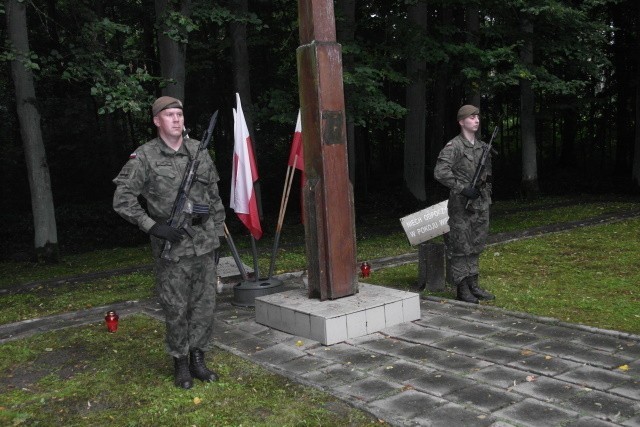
(372, 309)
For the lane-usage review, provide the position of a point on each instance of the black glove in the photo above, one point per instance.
(166, 232)
(470, 192)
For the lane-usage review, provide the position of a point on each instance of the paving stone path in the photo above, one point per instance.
(459, 365)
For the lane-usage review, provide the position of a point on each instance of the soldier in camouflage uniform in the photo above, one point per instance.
(455, 168)
(186, 284)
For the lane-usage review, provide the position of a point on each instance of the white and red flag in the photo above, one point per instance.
(244, 173)
(296, 159)
(296, 147)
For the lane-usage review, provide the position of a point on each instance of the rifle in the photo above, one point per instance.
(183, 207)
(486, 150)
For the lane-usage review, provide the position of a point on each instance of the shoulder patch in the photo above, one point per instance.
(133, 155)
(449, 143)
(126, 173)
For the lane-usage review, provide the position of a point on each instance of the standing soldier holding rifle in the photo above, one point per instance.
(185, 217)
(464, 166)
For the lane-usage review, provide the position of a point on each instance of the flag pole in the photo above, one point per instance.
(288, 180)
(254, 250)
(234, 253)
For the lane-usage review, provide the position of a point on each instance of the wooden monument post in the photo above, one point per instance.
(328, 194)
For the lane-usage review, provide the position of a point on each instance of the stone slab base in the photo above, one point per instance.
(228, 270)
(328, 322)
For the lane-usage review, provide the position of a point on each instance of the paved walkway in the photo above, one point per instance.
(459, 365)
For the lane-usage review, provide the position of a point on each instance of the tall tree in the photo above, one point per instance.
(416, 101)
(345, 34)
(44, 220)
(635, 175)
(473, 27)
(441, 129)
(527, 112)
(174, 25)
(241, 75)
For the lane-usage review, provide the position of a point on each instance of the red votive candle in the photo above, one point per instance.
(111, 320)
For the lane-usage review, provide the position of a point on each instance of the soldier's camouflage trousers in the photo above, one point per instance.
(464, 266)
(467, 235)
(187, 292)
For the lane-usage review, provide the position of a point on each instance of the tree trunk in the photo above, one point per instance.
(440, 130)
(345, 32)
(173, 54)
(44, 219)
(622, 20)
(415, 123)
(241, 79)
(635, 174)
(473, 28)
(568, 132)
(527, 114)
(636, 154)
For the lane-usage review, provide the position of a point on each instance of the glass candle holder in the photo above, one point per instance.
(111, 320)
(365, 269)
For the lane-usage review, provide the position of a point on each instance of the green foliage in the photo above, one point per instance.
(178, 26)
(29, 61)
(117, 84)
(369, 100)
(569, 45)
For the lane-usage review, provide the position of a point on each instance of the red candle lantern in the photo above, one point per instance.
(111, 320)
(365, 269)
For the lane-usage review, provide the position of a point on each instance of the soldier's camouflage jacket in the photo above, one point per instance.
(455, 168)
(154, 171)
(457, 164)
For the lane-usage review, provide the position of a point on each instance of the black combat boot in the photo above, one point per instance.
(198, 369)
(477, 291)
(182, 377)
(464, 294)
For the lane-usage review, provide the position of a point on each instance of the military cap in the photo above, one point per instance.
(163, 103)
(466, 111)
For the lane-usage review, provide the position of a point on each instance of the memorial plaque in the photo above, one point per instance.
(427, 223)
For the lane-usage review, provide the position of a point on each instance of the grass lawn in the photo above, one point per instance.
(588, 275)
(87, 377)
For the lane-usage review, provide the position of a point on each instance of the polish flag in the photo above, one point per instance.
(298, 162)
(244, 174)
(296, 147)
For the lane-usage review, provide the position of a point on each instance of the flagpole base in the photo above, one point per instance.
(245, 293)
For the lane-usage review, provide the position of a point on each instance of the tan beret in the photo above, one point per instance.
(466, 111)
(163, 103)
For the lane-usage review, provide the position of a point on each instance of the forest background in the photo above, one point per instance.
(559, 77)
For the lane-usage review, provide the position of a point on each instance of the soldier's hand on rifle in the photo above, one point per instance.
(470, 192)
(166, 232)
